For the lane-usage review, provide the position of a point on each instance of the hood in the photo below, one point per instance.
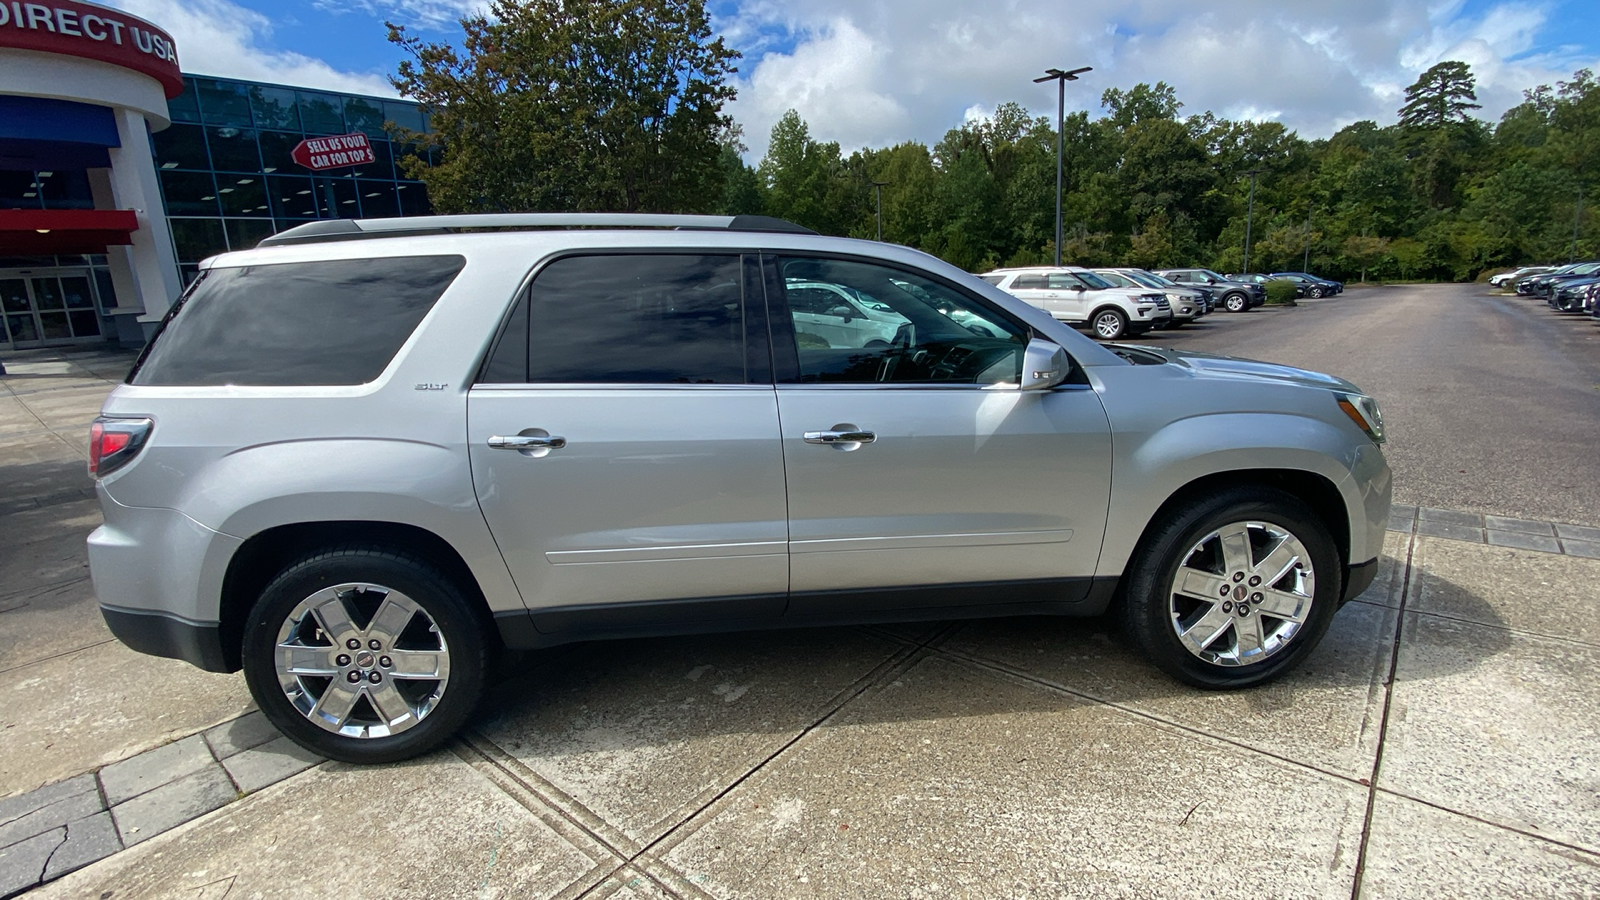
(1233, 367)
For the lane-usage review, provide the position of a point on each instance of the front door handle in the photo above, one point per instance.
(533, 442)
(840, 437)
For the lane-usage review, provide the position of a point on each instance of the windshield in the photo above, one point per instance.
(1118, 279)
(1149, 280)
(1095, 282)
(1207, 273)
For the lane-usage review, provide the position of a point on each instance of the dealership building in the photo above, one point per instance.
(119, 173)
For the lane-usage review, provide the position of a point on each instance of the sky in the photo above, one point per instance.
(873, 73)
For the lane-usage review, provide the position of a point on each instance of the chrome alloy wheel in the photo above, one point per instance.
(1242, 593)
(1108, 325)
(362, 660)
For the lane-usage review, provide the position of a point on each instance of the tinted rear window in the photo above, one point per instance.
(337, 322)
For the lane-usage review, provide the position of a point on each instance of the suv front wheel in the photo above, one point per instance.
(1233, 589)
(1236, 303)
(365, 655)
(1109, 324)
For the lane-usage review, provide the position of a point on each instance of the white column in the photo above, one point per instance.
(148, 267)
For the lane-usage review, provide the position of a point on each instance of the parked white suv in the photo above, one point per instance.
(363, 458)
(1078, 296)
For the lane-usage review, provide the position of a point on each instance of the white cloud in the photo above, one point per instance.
(216, 37)
(431, 14)
(875, 72)
(839, 76)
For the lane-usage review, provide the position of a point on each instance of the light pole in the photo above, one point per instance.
(1250, 213)
(877, 188)
(1060, 78)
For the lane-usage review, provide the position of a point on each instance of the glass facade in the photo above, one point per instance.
(228, 177)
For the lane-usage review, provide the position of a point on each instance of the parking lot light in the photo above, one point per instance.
(877, 188)
(1250, 212)
(1060, 78)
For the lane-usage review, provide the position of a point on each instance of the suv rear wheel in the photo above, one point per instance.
(365, 655)
(1234, 589)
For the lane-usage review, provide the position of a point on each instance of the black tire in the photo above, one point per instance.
(1236, 303)
(1109, 323)
(1151, 609)
(446, 621)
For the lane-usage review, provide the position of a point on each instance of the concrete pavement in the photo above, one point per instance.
(1441, 742)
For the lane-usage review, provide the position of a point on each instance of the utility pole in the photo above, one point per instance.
(1060, 78)
(1305, 265)
(1577, 216)
(1249, 214)
(877, 188)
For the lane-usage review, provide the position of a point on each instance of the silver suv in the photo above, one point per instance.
(1080, 297)
(365, 458)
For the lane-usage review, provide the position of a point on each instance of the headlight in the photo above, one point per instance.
(1363, 411)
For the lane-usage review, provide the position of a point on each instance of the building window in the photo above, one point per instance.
(274, 107)
(223, 102)
(182, 147)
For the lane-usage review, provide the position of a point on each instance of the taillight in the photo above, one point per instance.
(113, 443)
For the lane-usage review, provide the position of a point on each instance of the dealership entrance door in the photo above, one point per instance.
(48, 307)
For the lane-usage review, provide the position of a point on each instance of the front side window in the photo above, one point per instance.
(900, 327)
(628, 319)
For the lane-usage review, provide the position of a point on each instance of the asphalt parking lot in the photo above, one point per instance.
(1441, 742)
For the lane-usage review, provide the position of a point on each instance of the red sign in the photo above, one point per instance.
(334, 152)
(93, 32)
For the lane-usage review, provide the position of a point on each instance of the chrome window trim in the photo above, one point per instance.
(912, 386)
(616, 386)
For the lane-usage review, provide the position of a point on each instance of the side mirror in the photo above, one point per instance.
(1080, 288)
(1044, 365)
(843, 312)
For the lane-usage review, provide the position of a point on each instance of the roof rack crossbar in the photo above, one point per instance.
(356, 229)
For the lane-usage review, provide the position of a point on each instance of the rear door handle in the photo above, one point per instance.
(534, 442)
(839, 437)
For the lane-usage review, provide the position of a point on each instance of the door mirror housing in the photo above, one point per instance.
(1044, 365)
(843, 312)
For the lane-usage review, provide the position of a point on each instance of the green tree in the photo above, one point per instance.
(1365, 252)
(573, 105)
(1440, 97)
(1141, 103)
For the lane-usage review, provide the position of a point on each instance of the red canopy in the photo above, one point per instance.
(37, 232)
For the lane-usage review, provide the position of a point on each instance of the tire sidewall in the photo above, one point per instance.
(1147, 613)
(1236, 303)
(462, 630)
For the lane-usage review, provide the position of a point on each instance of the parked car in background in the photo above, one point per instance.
(1539, 285)
(1264, 279)
(365, 458)
(1235, 296)
(1187, 303)
(1506, 279)
(1314, 286)
(1550, 285)
(1077, 296)
(1571, 293)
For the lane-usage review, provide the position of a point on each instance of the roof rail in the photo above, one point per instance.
(357, 229)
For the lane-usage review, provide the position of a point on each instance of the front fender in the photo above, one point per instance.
(1149, 468)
